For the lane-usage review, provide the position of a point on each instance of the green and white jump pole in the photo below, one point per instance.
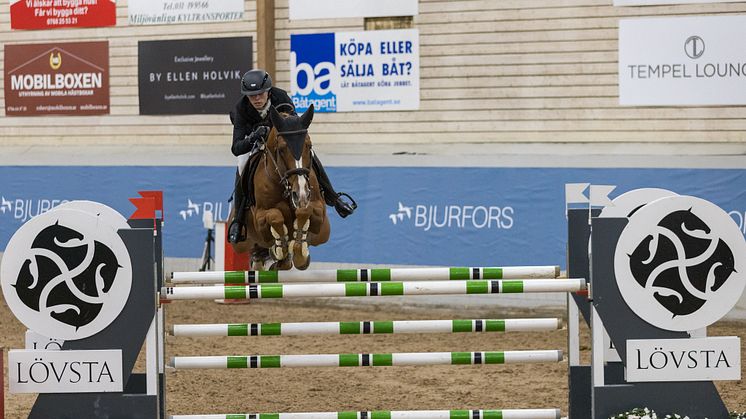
(372, 289)
(365, 360)
(366, 327)
(381, 414)
(366, 275)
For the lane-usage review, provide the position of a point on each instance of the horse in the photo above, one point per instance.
(289, 212)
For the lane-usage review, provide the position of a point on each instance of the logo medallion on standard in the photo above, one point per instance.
(66, 274)
(680, 263)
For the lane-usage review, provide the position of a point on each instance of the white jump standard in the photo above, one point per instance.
(366, 327)
(366, 275)
(409, 414)
(372, 289)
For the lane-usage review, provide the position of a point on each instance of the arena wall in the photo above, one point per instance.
(508, 74)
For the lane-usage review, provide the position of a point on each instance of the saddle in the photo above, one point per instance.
(247, 177)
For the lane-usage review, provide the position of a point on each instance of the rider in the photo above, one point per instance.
(251, 124)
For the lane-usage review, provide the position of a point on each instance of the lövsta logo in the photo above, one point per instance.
(679, 263)
(66, 274)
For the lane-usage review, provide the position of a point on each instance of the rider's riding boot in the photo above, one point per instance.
(331, 197)
(236, 231)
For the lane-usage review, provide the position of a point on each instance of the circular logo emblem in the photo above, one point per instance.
(66, 274)
(679, 263)
(694, 47)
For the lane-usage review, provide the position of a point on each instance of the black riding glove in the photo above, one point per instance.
(259, 134)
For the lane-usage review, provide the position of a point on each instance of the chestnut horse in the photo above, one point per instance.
(289, 213)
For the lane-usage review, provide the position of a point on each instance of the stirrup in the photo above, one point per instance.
(343, 208)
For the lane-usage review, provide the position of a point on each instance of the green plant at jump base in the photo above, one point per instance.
(645, 413)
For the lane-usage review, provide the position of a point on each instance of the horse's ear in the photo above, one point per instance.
(275, 117)
(307, 117)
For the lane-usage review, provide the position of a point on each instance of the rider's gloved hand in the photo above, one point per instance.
(259, 133)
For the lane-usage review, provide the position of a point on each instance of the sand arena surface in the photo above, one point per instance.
(373, 388)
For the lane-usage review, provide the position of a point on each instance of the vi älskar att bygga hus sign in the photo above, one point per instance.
(192, 76)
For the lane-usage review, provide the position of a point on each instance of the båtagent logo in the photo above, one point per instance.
(66, 274)
(680, 263)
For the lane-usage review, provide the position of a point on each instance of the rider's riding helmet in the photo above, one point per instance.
(255, 82)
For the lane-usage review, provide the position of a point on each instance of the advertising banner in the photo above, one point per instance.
(431, 216)
(191, 76)
(161, 12)
(356, 71)
(330, 9)
(50, 14)
(682, 61)
(60, 78)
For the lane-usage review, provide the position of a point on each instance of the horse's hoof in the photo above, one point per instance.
(283, 265)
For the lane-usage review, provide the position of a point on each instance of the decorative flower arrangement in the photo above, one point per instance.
(645, 413)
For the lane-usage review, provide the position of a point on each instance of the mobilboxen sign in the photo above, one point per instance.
(62, 78)
(356, 71)
(192, 76)
(49, 14)
(159, 12)
(329, 9)
(682, 61)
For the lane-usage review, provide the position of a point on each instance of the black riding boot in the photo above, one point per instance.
(331, 197)
(236, 231)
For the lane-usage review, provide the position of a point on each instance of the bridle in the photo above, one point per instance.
(288, 173)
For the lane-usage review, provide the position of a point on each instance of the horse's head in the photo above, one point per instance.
(293, 147)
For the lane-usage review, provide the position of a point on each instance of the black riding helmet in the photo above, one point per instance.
(255, 82)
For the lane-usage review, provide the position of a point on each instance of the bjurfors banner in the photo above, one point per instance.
(49, 14)
(356, 71)
(160, 12)
(682, 61)
(191, 76)
(62, 78)
(329, 9)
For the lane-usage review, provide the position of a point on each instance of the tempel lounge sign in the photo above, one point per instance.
(63, 78)
(682, 61)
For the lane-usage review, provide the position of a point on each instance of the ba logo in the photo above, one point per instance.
(680, 264)
(66, 274)
(312, 72)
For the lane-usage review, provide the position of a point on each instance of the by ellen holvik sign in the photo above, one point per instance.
(160, 12)
(58, 78)
(682, 61)
(356, 71)
(657, 2)
(680, 263)
(330, 9)
(702, 359)
(192, 76)
(65, 371)
(50, 14)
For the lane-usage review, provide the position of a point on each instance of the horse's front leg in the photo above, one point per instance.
(273, 221)
(299, 244)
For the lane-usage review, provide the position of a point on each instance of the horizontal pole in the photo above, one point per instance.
(366, 275)
(366, 327)
(381, 414)
(372, 289)
(364, 360)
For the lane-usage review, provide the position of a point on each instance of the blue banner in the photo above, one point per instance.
(406, 215)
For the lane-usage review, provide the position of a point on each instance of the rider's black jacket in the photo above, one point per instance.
(245, 119)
